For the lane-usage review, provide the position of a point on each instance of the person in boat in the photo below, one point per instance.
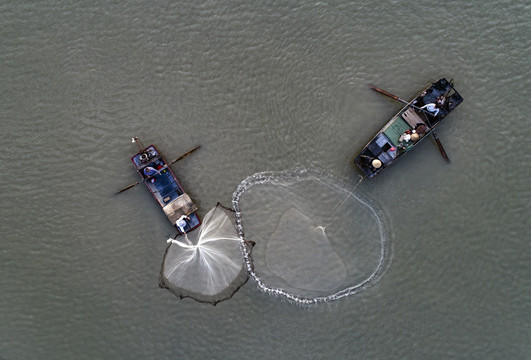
(376, 164)
(441, 100)
(421, 129)
(432, 108)
(181, 223)
(405, 137)
(150, 172)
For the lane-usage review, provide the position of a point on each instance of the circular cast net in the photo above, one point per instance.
(315, 239)
(205, 264)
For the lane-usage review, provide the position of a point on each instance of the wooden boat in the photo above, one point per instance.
(413, 123)
(165, 188)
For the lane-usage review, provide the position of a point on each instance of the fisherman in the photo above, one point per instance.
(421, 129)
(432, 108)
(181, 223)
(150, 171)
(405, 137)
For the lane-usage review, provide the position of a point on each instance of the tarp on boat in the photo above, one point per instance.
(183, 205)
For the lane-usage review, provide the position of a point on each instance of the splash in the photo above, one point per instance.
(205, 264)
(316, 239)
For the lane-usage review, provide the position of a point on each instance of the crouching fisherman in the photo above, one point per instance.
(181, 223)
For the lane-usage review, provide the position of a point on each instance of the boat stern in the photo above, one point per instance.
(379, 153)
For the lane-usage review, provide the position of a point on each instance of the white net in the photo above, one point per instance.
(319, 270)
(316, 240)
(205, 264)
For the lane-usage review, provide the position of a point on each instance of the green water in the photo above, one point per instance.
(261, 86)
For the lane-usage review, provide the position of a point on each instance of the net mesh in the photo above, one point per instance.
(315, 240)
(205, 264)
(318, 270)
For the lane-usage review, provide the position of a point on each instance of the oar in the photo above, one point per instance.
(377, 89)
(149, 177)
(435, 137)
(185, 155)
(441, 149)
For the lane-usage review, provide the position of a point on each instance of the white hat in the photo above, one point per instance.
(376, 163)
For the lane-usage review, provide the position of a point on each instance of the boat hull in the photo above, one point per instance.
(412, 124)
(166, 189)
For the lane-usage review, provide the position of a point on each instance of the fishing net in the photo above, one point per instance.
(205, 264)
(316, 240)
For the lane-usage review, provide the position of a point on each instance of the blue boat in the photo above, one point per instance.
(163, 184)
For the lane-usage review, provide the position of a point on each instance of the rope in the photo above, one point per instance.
(350, 193)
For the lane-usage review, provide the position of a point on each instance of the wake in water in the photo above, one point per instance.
(205, 264)
(316, 240)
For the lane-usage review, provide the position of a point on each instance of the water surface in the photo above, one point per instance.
(263, 86)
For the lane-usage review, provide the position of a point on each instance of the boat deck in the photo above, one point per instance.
(164, 187)
(395, 129)
(162, 183)
(391, 142)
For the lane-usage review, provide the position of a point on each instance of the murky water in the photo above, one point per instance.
(261, 87)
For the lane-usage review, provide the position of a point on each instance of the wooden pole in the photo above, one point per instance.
(149, 177)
